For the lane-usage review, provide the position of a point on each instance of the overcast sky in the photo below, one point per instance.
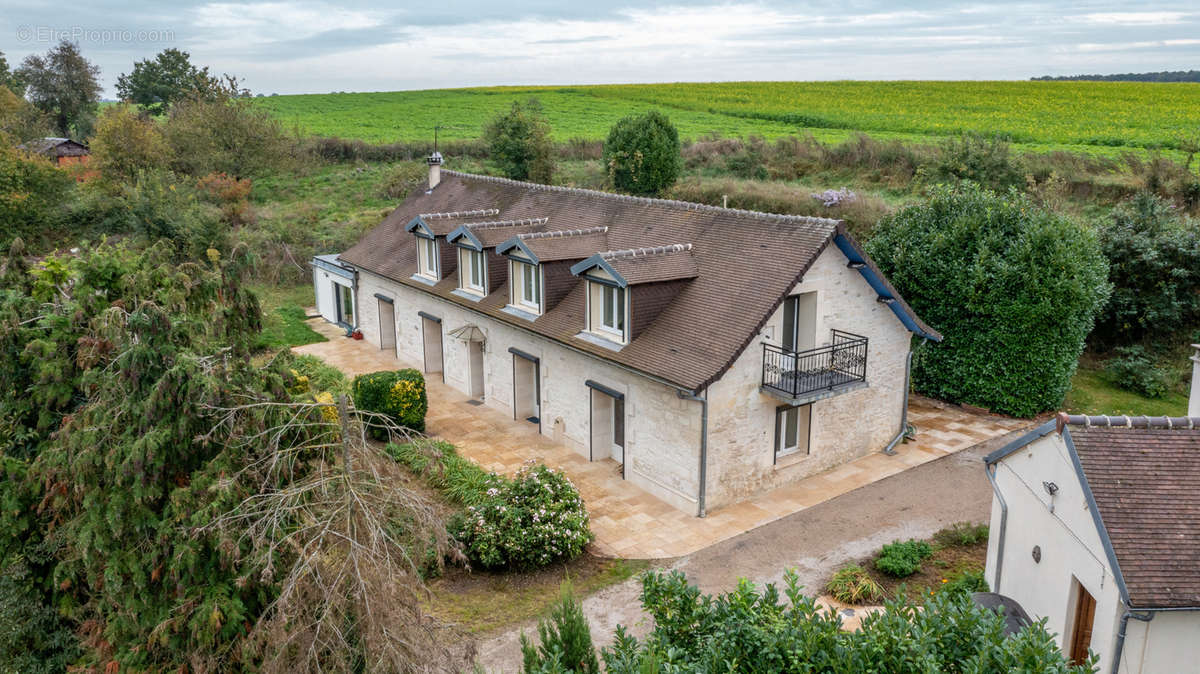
(315, 46)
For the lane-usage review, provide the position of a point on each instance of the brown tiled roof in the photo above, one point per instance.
(746, 264)
(1146, 483)
(651, 265)
(441, 224)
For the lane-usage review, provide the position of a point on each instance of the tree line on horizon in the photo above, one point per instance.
(1164, 76)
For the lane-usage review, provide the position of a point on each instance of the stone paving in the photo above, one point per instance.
(629, 522)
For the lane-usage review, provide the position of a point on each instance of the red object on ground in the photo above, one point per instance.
(357, 334)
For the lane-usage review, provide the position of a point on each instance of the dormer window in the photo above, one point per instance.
(608, 311)
(526, 286)
(472, 272)
(427, 258)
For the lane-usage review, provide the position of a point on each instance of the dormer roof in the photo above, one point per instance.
(431, 225)
(482, 235)
(632, 266)
(569, 244)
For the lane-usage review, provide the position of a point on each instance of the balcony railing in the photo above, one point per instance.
(797, 374)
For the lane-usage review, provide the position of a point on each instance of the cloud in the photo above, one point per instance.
(1135, 18)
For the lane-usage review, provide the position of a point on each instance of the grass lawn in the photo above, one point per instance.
(1092, 392)
(480, 601)
(283, 317)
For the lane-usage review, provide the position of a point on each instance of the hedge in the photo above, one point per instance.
(1014, 289)
(400, 394)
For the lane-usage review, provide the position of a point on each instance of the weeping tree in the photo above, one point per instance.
(169, 504)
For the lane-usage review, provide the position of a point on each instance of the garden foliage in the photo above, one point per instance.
(1154, 266)
(564, 640)
(642, 154)
(902, 559)
(114, 364)
(755, 631)
(1132, 369)
(529, 521)
(400, 394)
(1014, 289)
(851, 584)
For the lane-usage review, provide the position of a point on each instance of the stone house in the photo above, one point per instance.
(708, 353)
(1096, 527)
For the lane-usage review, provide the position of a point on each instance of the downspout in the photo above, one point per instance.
(687, 395)
(889, 450)
(990, 470)
(1120, 647)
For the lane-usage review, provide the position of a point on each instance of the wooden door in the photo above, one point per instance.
(1085, 616)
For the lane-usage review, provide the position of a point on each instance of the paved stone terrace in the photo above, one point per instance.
(629, 522)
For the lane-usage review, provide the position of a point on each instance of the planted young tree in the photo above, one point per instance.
(64, 85)
(157, 84)
(642, 154)
(519, 142)
(1014, 289)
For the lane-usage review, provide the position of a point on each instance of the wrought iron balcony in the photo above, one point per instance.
(799, 377)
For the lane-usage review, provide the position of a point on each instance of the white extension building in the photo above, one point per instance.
(1096, 528)
(708, 353)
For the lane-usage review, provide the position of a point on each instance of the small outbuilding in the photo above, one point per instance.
(1096, 528)
(334, 286)
(63, 151)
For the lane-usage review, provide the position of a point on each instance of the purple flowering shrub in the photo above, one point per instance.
(530, 521)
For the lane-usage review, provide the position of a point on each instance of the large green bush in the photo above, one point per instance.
(32, 194)
(532, 520)
(987, 161)
(1132, 369)
(642, 154)
(753, 631)
(1014, 289)
(1154, 266)
(399, 394)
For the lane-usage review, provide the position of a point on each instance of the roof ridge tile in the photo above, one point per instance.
(645, 252)
(561, 233)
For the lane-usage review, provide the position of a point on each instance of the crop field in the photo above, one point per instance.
(1095, 117)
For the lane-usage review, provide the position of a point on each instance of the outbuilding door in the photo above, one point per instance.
(1081, 634)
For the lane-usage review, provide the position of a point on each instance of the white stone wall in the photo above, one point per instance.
(844, 427)
(662, 432)
(1068, 540)
(1168, 643)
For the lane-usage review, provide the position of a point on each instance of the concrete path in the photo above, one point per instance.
(814, 541)
(628, 521)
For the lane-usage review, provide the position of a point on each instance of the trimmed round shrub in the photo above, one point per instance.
(903, 559)
(1013, 288)
(399, 394)
(532, 520)
(642, 154)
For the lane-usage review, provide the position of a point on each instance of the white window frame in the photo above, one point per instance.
(469, 262)
(427, 258)
(614, 312)
(805, 440)
(517, 272)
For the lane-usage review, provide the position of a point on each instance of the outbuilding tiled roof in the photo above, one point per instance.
(745, 263)
(1145, 478)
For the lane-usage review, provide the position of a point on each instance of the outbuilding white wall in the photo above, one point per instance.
(844, 427)
(1070, 545)
(323, 283)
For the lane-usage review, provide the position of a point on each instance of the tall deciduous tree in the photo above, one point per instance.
(519, 142)
(10, 79)
(642, 154)
(64, 85)
(157, 84)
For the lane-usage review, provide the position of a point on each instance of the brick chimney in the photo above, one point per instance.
(1194, 401)
(435, 169)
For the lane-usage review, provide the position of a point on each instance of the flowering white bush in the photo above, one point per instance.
(530, 521)
(832, 198)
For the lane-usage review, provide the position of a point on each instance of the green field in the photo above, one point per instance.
(1097, 117)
